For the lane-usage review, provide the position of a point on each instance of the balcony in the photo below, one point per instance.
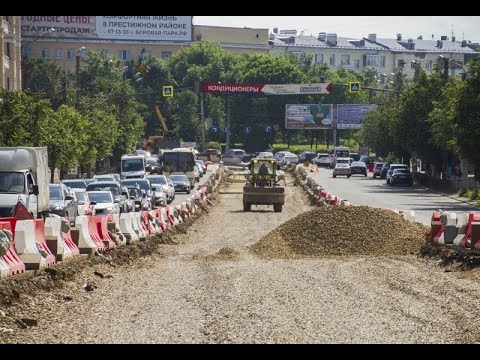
(6, 62)
(5, 27)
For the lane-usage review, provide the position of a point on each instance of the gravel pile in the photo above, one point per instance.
(341, 230)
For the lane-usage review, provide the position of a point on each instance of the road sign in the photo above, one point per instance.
(354, 87)
(268, 129)
(248, 129)
(213, 129)
(167, 91)
(276, 127)
(225, 129)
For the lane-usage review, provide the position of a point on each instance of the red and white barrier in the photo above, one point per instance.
(86, 244)
(31, 245)
(55, 240)
(126, 227)
(11, 259)
(102, 231)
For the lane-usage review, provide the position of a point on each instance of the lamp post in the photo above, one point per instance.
(77, 78)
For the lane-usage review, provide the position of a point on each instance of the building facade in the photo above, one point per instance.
(62, 38)
(386, 56)
(10, 59)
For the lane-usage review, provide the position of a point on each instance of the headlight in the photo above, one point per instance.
(145, 206)
(137, 206)
(110, 210)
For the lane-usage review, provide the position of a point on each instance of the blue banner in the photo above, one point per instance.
(350, 116)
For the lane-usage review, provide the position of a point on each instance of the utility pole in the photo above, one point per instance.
(77, 81)
(227, 140)
(202, 118)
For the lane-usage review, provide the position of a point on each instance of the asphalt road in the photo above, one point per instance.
(360, 190)
(181, 197)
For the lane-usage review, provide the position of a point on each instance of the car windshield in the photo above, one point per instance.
(135, 164)
(179, 178)
(81, 197)
(101, 197)
(157, 180)
(55, 193)
(379, 165)
(144, 184)
(11, 182)
(358, 164)
(401, 171)
(75, 184)
(98, 187)
(152, 162)
(134, 192)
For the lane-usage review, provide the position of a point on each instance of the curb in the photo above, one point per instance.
(457, 198)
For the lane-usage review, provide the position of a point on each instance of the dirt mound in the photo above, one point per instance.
(225, 254)
(341, 230)
(452, 257)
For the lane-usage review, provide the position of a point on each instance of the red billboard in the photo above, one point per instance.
(216, 88)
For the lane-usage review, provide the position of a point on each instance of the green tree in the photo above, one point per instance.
(185, 116)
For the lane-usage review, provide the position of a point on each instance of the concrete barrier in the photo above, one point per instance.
(33, 255)
(82, 237)
(126, 227)
(54, 238)
(11, 259)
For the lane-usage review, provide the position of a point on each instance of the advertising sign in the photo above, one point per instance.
(154, 28)
(350, 116)
(188, 144)
(143, 28)
(75, 27)
(309, 116)
(216, 88)
(297, 89)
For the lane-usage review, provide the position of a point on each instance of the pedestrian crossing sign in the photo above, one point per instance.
(354, 87)
(167, 91)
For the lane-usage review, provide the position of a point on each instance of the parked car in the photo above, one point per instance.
(377, 170)
(392, 168)
(359, 167)
(385, 168)
(181, 183)
(63, 202)
(342, 169)
(75, 183)
(235, 153)
(323, 159)
(103, 202)
(401, 176)
(306, 156)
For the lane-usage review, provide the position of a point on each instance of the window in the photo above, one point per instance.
(58, 53)
(7, 50)
(345, 60)
(70, 53)
(401, 63)
(8, 83)
(145, 54)
(428, 64)
(332, 59)
(166, 54)
(124, 55)
(382, 61)
(83, 53)
(45, 53)
(26, 52)
(104, 53)
(357, 63)
(372, 60)
(319, 58)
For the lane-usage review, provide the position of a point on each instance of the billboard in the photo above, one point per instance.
(308, 116)
(138, 28)
(350, 116)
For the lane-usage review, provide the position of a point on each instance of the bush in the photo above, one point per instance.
(474, 194)
(462, 192)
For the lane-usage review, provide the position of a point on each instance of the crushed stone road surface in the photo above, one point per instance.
(184, 294)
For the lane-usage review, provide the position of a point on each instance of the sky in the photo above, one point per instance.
(464, 27)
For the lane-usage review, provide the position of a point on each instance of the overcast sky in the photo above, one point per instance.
(464, 27)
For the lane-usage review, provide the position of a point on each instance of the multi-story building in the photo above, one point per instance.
(10, 60)
(385, 56)
(62, 38)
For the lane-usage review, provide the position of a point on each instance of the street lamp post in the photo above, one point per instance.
(77, 78)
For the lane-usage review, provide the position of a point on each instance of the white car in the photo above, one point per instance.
(83, 204)
(323, 159)
(284, 157)
(235, 153)
(342, 169)
(104, 203)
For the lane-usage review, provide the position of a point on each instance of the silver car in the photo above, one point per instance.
(342, 169)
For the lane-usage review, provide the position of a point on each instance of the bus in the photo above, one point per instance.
(179, 161)
(133, 167)
(340, 152)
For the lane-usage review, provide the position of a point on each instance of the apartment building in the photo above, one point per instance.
(62, 38)
(384, 55)
(10, 60)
